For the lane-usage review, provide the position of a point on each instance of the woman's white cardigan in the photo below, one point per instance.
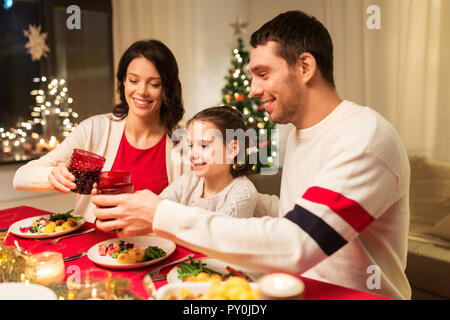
(100, 134)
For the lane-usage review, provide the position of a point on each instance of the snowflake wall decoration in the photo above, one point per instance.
(36, 42)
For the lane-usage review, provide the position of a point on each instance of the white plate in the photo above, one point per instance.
(22, 291)
(216, 265)
(15, 228)
(196, 288)
(140, 242)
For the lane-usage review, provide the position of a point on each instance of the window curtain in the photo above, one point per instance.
(401, 70)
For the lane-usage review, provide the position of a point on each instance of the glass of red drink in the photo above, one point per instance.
(86, 167)
(116, 188)
(111, 178)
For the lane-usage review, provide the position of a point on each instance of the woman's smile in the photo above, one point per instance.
(140, 103)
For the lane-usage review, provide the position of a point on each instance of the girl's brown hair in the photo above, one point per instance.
(227, 117)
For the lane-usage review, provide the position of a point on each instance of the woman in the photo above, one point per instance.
(135, 137)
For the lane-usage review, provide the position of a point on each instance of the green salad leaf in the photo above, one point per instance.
(64, 216)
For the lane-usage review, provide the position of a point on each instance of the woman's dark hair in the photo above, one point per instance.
(227, 117)
(164, 61)
(296, 33)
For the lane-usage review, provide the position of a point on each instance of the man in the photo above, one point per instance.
(343, 210)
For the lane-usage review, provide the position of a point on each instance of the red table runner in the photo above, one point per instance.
(314, 290)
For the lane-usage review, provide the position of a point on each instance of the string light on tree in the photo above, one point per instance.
(236, 93)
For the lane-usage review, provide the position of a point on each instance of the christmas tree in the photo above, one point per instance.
(236, 94)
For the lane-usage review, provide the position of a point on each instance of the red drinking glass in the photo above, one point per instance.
(86, 167)
(116, 189)
(111, 178)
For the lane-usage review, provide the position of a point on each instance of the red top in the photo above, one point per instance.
(147, 166)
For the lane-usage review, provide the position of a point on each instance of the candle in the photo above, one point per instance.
(281, 286)
(7, 148)
(49, 267)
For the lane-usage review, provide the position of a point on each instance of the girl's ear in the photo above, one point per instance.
(232, 149)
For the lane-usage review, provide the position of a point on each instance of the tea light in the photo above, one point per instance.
(7, 148)
(49, 267)
(281, 286)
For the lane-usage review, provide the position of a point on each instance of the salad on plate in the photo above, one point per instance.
(55, 223)
(47, 225)
(126, 253)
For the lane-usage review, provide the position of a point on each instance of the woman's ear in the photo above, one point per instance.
(307, 66)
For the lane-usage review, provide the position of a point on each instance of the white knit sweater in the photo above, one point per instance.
(238, 199)
(343, 214)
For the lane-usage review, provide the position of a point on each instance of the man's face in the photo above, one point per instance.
(275, 83)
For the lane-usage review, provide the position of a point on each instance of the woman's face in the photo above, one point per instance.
(206, 150)
(143, 87)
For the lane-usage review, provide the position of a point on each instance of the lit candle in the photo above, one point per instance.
(7, 148)
(281, 286)
(49, 267)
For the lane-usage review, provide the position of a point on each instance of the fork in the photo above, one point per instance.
(157, 270)
(67, 236)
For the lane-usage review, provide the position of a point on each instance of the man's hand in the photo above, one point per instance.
(133, 213)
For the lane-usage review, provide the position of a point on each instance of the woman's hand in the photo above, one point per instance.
(131, 212)
(61, 179)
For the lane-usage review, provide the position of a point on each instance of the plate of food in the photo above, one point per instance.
(47, 226)
(131, 252)
(208, 269)
(234, 288)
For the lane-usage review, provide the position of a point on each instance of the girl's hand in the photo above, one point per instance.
(61, 179)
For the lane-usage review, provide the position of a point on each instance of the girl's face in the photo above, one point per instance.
(207, 151)
(143, 87)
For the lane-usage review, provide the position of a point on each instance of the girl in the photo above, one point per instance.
(218, 181)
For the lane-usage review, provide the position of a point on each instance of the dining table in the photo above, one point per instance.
(314, 289)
